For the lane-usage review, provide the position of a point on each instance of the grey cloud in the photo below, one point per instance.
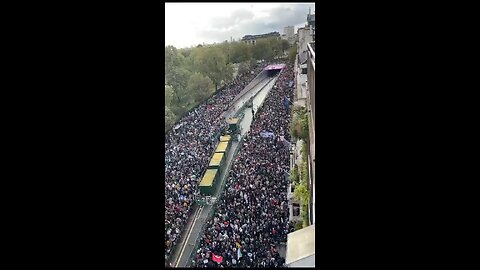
(241, 22)
(222, 22)
(236, 18)
(242, 14)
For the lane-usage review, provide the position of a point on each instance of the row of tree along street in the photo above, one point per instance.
(188, 150)
(192, 75)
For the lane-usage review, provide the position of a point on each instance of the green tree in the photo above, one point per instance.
(178, 78)
(181, 60)
(299, 124)
(252, 63)
(275, 45)
(189, 62)
(226, 49)
(304, 127)
(185, 52)
(304, 213)
(301, 193)
(191, 72)
(294, 175)
(200, 87)
(170, 58)
(292, 54)
(241, 52)
(298, 225)
(228, 73)
(168, 95)
(243, 67)
(284, 45)
(169, 118)
(212, 63)
(263, 49)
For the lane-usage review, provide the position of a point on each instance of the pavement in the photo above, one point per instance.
(257, 103)
(244, 97)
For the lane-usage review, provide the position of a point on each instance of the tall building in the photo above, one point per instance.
(289, 32)
(305, 36)
(311, 23)
(311, 18)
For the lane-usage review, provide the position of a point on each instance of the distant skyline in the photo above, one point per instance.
(190, 24)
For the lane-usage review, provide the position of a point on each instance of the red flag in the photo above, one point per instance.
(217, 258)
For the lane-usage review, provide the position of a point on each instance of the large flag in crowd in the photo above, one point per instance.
(217, 258)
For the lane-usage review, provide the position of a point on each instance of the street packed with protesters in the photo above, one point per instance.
(188, 149)
(251, 218)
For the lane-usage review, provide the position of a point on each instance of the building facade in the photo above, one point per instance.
(311, 124)
(301, 243)
(289, 33)
(252, 39)
(311, 23)
(300, 250)
(311, 19)
(305, 36)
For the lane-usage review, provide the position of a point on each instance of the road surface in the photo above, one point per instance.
(181, 257)
(200, 216)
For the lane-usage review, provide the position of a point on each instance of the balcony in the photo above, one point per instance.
(311, 109)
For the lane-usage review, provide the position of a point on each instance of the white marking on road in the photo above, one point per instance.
(197, 215)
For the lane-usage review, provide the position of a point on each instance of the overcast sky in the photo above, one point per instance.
(190, 24)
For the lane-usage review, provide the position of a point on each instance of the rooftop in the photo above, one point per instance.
(271, 34)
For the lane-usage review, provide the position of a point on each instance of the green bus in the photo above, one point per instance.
(226, 138)
(209, 180)
(233, 124)
(222, 147)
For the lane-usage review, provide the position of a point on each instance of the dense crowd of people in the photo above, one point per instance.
(188, 148)
(251, 218)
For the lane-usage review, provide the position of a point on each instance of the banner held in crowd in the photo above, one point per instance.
(217, 258)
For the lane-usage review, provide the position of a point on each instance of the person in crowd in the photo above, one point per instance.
(188, 148)
(251, 218)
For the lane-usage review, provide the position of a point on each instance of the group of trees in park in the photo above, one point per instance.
(192, 75)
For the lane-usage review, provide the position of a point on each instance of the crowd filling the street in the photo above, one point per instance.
(251, 218)
(239, 136)
(188, 149)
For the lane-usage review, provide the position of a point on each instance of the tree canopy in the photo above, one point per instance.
(200, 86)
(192, 75)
